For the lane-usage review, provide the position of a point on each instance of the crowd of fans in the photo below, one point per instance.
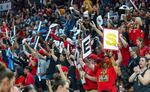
(40, 46)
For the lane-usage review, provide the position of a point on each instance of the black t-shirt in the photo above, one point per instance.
(63, 63)
(72, 78)
(132, 63)
(51, 69)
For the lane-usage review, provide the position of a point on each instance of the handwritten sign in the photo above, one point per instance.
(86, 46)
(110, 40)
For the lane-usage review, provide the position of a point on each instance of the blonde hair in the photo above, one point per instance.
(139, 21)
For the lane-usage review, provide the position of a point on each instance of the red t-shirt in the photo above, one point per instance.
(3, 47)
(20, 79)
(147, 41)
(4, 29)
(33, 39)
(125, 55)
(89, 85)
(22, 34)
(29, 79)
(106, 82)
(135, 34)
(34, 68)
(144, 50)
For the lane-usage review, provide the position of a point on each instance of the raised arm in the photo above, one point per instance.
(53, 55)
(32, 61)
(96, 29)
(125, 44)
(32, 50)
(48, 83)
(119, 60)
(48, 48)
(116, 64)
(45, 52)
(61, 72)
(91, 78)
(25, 52)
(134, 75)
(90, 66)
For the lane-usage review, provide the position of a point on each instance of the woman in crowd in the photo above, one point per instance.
(89, 85)
(58, 84)
(28, 89)
(140, 77)
(106, 73)
(7, 80)
(20, 79)
(143, 49)
(134, 59)
(29, 79)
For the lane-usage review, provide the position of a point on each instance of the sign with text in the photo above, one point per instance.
(110, 40)
(5, 6)
(86, 46)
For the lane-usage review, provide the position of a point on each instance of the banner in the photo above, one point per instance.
(5, 6)
(86, 46)
(110, 40)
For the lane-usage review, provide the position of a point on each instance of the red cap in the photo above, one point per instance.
(64, 68)
(41, 52)
(93, 56)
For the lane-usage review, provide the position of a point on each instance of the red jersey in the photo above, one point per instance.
(34, 68)
(125, 55)
(22, 34)
(144, 50)
(29, 79)
(106, 81)
(4, 29)
(19, 80)
(89, 85)
(135, 34)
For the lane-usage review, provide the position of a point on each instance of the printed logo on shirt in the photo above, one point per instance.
(103, 78)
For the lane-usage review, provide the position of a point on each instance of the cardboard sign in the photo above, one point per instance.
(5, 6)
(110, 40)
(86, 46)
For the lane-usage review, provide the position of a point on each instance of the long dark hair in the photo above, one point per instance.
(4, 72)
(57, 81)
(19, 71)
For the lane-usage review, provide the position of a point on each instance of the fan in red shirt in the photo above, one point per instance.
(143, 50)
(5, 28)
(106, 73)
(89, 85)
(33, 61)
(124, 48)
(106, 76)
(136, 33)
(29, 79)
(20, 79)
